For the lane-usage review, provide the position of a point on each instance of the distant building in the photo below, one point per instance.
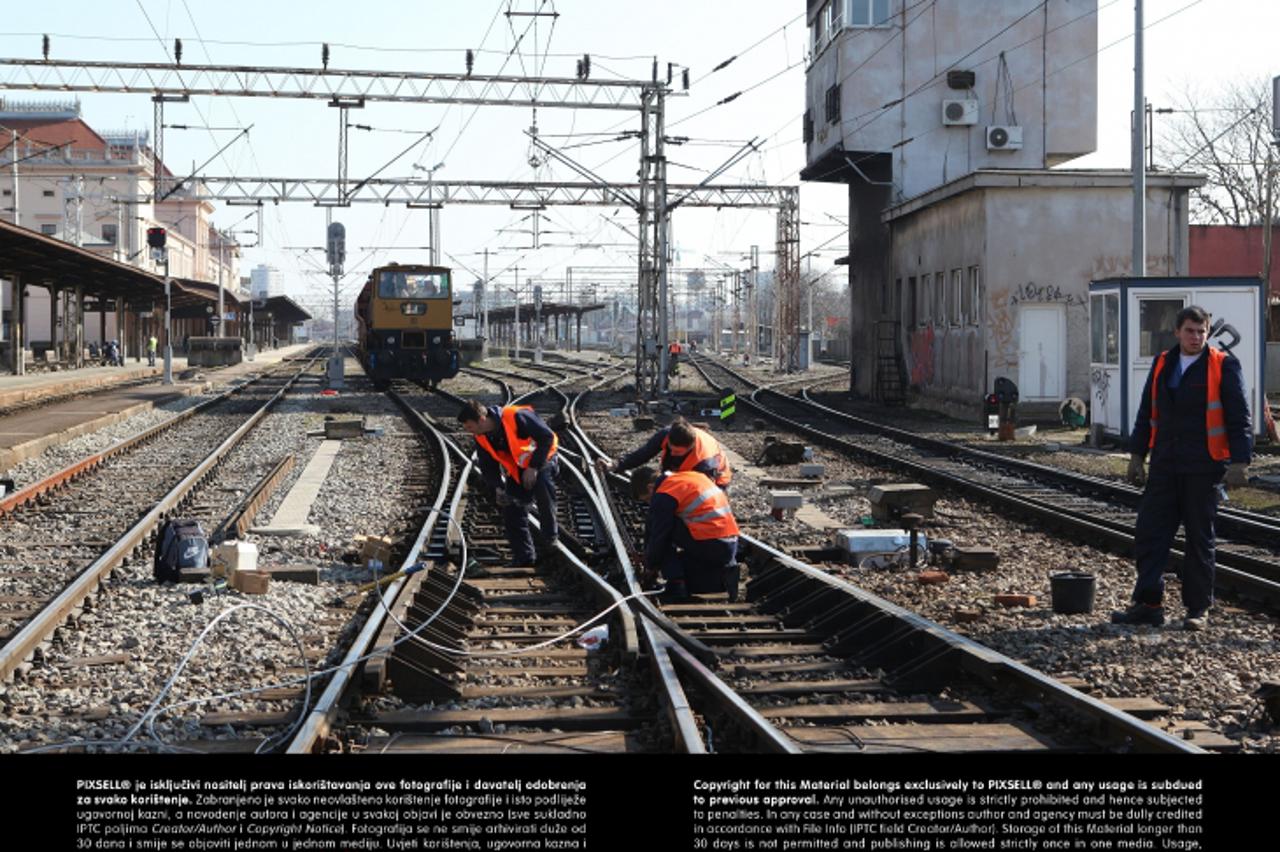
(1218, 250)
(970, 250)
(96, 189)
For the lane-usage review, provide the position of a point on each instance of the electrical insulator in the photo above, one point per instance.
(45, 46)
(586, 65)
(324, 55)
(684, 77)
(155, 237)
(471, 61)
(177, 51)
(669, 71)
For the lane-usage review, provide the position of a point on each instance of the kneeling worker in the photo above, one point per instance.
(684, 448)
(690, 533)
(515, 441)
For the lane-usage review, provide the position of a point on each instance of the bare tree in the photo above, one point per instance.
(1226, 136)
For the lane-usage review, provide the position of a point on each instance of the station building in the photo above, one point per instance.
(971, 247)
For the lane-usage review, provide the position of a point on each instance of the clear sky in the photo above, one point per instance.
(1201, 43)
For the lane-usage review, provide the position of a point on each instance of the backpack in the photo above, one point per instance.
(182, 544)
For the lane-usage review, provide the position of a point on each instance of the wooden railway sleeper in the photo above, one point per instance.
(460, 606)
(765, 578)
(412, 682)
(932, 669)
(836, 618)
(442, 624)
(803, 611)
(424, 656)
(869, 631)
(782, 597)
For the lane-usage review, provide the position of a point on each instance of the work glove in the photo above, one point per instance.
(1137, 474)
(604, 465)
(1238, 475)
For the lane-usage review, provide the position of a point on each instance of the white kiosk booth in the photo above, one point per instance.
(1131, 321)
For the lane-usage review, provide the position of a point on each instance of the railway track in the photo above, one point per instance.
(1102, 512)
(65, 534)
(805, 662)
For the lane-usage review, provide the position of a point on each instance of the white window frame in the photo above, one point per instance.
(818, 29)
(836, 15)
(975, 295)
(957, 296)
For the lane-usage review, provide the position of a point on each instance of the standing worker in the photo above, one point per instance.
(683, 448)
(515, 441)
(1194, 419)
(691, 535)
(151, 350)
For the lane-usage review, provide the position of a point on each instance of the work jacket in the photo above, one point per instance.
(686, 508)
(1201, 424)
(706, 456)
(521, 441)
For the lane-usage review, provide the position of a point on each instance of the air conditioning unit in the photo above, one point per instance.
(960, 112)
(1004, 138)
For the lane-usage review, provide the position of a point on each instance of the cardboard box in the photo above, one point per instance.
(251, 582)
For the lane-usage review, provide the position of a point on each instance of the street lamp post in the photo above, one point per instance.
(168, 319)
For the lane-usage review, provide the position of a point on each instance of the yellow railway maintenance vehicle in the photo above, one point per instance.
(404, 320)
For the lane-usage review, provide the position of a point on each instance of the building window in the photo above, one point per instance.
(940, 285)
(957, 290)
(913, 295)
(833, 104)
(109, 233)
(48, 230)
(8, 192)
(808, 126)
(974, 295)
(835, 17)
(868, 13)
(48, 193)
(1156, 332)
(819, 29)
(1104, 319)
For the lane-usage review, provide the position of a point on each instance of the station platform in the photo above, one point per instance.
(28, 432)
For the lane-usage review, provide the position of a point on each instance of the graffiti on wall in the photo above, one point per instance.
(922, 341)
(1002, 330)
(1033, 292)
(1101, 381)
(1222, 328)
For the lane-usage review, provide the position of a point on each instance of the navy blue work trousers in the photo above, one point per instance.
(702, 564)
(1189, 500)
(516, 513)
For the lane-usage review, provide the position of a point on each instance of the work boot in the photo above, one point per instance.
(732, 576)
(1196, 620)
(1139, 613)
(676, 592)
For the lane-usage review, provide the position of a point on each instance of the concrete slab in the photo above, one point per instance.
(291, 517)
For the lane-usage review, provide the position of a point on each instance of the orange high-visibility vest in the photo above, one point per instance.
(704, 447)
(702, 506)
(519, 450)
(1215, 419)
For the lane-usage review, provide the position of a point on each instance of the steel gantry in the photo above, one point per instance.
(351, 89)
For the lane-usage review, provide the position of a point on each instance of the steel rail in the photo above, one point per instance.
(1233, 569)
(990, 665)
(313, 732)
(36, 631)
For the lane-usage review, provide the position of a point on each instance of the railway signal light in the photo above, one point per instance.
(156, 237)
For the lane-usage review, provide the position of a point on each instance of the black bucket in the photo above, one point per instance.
(1072, 592)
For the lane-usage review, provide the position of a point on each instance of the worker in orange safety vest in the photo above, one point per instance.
(1194, 420)
(517, 459)
(691, 535)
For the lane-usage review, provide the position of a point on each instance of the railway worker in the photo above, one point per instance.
(152, 343)
(691, 535)
(683, 447)
(1194, 420)
(518, 447)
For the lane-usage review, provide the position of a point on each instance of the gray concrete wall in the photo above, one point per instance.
(1050, 91)
(1033, 245)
